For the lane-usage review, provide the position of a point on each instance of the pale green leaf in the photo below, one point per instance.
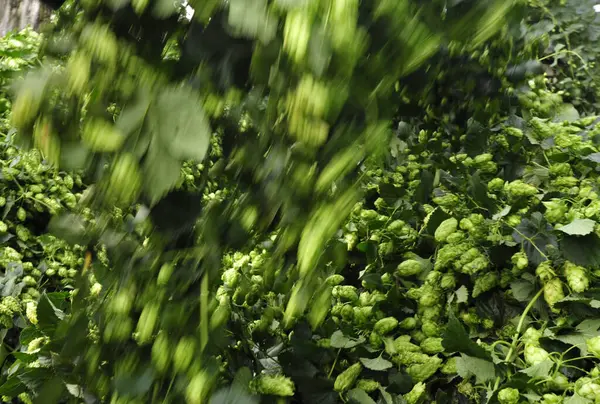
(339, 340)
(579, 227)
(576, 399)
(577, 340)
(505, 211)
(566, 112)
(540, 371)
(462, 294)
(376, 364)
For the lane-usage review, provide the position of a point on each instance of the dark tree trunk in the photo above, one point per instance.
(19, 14)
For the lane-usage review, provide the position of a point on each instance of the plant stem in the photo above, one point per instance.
(334, 363)
(513, 345)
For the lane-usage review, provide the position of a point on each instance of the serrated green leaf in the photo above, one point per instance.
(582, 250)
(133, 115)
(12, 387)
(339, 340)
(577, 340)
(456, 339)
(48, 315)
(576, 399)
(483, 370)
(180, 124)
(522, 290)
(541, 370)
(579, 227)
(161, 172)
(566, 112)
(462, 294)
(376, 363)
(589, 326)
(359, 396)
(505, 211)
(535, 234)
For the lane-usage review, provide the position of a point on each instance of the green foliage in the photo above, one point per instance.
(322, 200)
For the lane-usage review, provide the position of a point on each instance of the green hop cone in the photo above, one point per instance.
(519, 260)
(508, 396)
(409, 268)
(346, 379)
(577, 277)
(551, 398)
(275, 385)
(367, 385)
(385, 325)
(334, 280)
(593, 346)
(445, 229)
(420, 372)
(449, 367)
(553, 292)
(588, 388)
(432, 345)
(535, 355)
(185, 351)
(544, 271)
(161, 352)
(416, 394)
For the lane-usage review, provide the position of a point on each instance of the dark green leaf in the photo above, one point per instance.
(359, 396)
(522, 290)
(181, 127)
(48, 315)
(133, 115)
(478, 191)
(535, 234)
(51, 391)
(12, 387)
(134, 384)
(71, 228)
(425, 187)
(74, 156)
(583, 250)
(483, 370)
(161, 172)
(456, 339)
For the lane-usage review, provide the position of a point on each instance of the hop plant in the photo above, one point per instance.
(275, 385)
(593, 346)
(577, 277)
(508, 396)
(31, 312)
